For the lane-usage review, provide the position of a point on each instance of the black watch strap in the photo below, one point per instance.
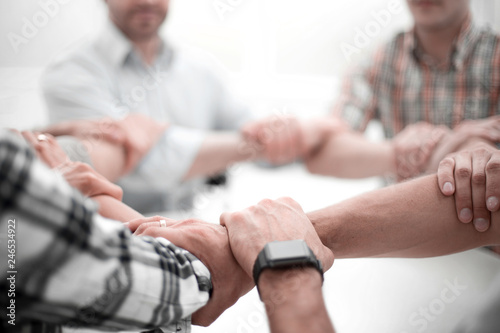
(263, 261)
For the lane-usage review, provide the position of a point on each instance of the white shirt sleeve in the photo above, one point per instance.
(78, 88)
(170, 159)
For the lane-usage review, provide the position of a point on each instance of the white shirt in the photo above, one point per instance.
(107, 78)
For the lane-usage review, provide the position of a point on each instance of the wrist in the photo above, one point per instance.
(274, 280)
(293, 298)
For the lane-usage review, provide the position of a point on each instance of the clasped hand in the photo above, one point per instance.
(229, 250)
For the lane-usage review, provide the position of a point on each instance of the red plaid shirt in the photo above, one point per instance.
(399, 87)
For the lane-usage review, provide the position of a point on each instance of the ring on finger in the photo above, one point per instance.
(163, 224)
(42, 137)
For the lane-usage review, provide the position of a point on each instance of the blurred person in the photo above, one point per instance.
(130, 68)
(422, 86)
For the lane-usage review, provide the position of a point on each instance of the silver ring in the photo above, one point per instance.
(163, 224)
(42, 137)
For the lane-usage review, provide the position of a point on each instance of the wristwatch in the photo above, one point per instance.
(285, 254)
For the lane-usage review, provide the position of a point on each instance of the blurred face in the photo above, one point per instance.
(437, 14)
(138, 19)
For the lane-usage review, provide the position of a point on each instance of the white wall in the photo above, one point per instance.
(277, 54)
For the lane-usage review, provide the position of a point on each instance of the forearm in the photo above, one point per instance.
(411, 219)
(108, 159)
(294, 301)
(114, 209)
(350, 155)
(218, 152)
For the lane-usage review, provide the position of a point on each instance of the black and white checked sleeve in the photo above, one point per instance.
(78, 269)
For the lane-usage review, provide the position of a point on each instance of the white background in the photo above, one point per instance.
(278, 55)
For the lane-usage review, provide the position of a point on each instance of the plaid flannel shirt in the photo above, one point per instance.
(400, 87)
(74, 268)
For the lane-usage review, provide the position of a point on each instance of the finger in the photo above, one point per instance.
(135, 223)
(113, 190)
(224, 218)
(463, 193)
(493, 183)
(478, 181)
(229, 219)
(15, 131)
(30, 138)
(112, 131)
(177, 237)
(143, 228)
(445, 176)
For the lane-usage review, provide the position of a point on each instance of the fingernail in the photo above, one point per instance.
(465, 215)
(492, 203)
(448, 187)
(481, 224)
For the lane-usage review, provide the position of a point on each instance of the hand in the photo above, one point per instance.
(107, 129)
(79, 175)
(136, 133)
(485, 129)
(473, 176)
(413, 148)
(151, 221)
(488, 128)
(88, 181)
(47, 149)
(317, 132)
(141, 134)
(279, 137)
(208, 242)
(251, 229)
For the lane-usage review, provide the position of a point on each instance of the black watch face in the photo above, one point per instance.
(287, 250)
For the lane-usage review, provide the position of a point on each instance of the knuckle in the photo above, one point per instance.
(236, 216)
(446, 163)
(479, 178)
(463, 173)
(266, 202)
(481, 151)
(286, 199)
(493, 166)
